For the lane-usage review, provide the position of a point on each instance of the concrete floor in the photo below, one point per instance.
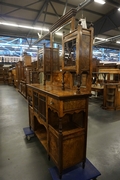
(21, 159)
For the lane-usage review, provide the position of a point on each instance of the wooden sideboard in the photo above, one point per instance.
(58, 106)
(59, 120)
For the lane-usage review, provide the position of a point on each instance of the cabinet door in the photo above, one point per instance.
(55, 59)
(47, 59)
(42, 107)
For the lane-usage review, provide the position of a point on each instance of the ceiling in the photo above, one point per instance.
(44, 13)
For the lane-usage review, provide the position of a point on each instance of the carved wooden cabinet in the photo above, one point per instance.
(23, 88)
(77, 56)
(58, 106)
(34, 77)
(26, 60)
(59, 120)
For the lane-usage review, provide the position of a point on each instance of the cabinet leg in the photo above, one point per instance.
(49, 157)
(60, 176)
(83, 165)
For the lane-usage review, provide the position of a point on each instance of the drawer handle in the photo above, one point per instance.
(51, 103)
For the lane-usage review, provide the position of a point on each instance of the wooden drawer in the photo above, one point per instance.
(54, 103)
(74, 105)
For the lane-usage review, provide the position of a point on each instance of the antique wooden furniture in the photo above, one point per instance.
(25, 79)
(58, 106)
(23, 69)
(59, 119)
(113, 74)
(26, 72)
(108, 80)
(34, 77)
(77, 59)
(111, 96)
(48, 61)
(3, 75)
(18, 67)
(26, 60)
(14, 76)
(111, 99)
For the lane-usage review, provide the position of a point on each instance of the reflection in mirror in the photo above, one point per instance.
(70, 53)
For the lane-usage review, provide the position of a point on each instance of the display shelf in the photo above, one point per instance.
(69, 122)
(42, 136)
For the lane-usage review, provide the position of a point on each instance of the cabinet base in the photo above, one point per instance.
(76, 172)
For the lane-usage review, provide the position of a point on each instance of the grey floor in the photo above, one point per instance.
(21, 159)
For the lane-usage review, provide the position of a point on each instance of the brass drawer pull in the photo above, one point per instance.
(51, 103)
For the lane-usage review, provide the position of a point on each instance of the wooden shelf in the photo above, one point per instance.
(42, 136)
(71, 126)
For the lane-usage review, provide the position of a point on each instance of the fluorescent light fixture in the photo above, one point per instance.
(59, 33)
(24, 45)
(101, 39)
(22, 26)
(15, 47)
(118, 42)
(118, 9)
(33, 48)
(100, 1)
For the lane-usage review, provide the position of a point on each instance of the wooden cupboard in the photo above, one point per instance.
(59, 120)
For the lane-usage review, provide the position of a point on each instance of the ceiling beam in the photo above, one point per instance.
(93, 12)
(16, 6)
(83, 4)
(114, 4)
(45, 14)
(31, 9)
(54, 9)
(106, 23)
(63, 3)
(65, 8)
(111, 39)
(45, 3)
(16, 9)
(40, 11)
